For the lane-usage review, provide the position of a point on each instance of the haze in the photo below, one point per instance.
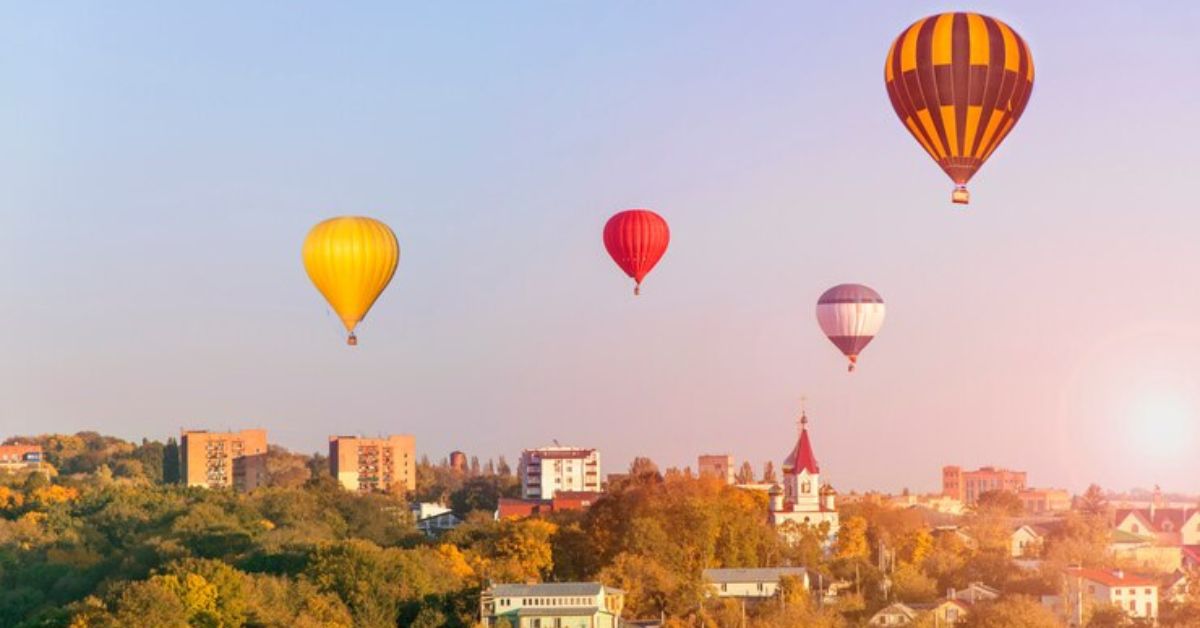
(162, 163)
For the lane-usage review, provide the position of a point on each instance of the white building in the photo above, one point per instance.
(548, 469)
(753, 583)
(552, 605)
(1136, 595)
(803, 500)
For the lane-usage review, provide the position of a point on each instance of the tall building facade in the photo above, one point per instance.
(374, 464)
(223, 459)
(718, 466)
(548, 469)
(967, 486)
(803, 499)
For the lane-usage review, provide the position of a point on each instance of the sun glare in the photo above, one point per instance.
(1163, 424)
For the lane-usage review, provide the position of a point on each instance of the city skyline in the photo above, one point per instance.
(158, 187)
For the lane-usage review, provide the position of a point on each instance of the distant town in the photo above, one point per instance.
(987, 544)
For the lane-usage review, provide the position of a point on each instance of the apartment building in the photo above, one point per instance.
(967, 486)
(374, 464)
(223, 459)
(549, 469)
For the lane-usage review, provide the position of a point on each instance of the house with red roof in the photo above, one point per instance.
(1135, 594)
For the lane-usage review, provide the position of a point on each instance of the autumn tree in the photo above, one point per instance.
(768, 476)
(745, 474)
(1010, 612)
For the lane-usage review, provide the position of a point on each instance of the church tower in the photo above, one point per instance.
(801, 474)
(802, 499)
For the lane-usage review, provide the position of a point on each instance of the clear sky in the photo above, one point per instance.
(160, 164)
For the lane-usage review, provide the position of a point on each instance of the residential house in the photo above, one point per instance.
(974, 593)
(753, 583)
(945, 612)
(1085, 588)
(1027, 541)
(898, 614)
(434, 519)
(552, 605)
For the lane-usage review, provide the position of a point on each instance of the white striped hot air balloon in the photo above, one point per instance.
(850, 314)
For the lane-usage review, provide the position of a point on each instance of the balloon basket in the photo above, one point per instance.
(960, 195)
(352, 340)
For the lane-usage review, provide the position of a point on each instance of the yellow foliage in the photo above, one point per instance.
(55, 494)
(10, 499)
(266, 524)
(456, 561)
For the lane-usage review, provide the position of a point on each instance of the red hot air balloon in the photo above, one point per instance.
(850, 315)
(636, 239)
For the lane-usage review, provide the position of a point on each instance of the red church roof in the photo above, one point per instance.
(802, 457)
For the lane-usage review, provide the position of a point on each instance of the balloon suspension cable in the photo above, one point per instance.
(960, 195)
(352, 340)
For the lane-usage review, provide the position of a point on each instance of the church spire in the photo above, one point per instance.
(802, 457)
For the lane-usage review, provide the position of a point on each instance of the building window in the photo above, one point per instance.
(1134, 528)
(760, 586)
(1133, 605)
(724, 587)
(1147, 591)
(1149, 609)
(1091, 589)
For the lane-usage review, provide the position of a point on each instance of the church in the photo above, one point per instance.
(802, 499)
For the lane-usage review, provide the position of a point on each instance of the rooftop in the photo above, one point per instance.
(550, 589)
(1115, 578)
(763, 574)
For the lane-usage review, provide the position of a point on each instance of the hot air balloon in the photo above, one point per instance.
(351, 259)
(850, 314)
(636, 239)
(959, 82)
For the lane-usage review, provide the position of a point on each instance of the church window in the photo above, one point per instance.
(806, 487)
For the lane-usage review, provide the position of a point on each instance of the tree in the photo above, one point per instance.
(769, 473)
(642, 467)
(852, 539)
(1000, 502)
(475, 470)
(170, 462)
(1011, 612)
(1093, 502)
(502, 467)
(745, 474)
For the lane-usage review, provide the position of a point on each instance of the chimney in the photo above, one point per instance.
(951, 594)
(1118, 574)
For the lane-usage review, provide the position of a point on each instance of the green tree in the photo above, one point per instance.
(170, 462)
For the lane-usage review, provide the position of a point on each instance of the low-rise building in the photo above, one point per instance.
(513, 508)
(898, 614)
(945, 612)
(17, 457)
(552, 605)
(1027, 541)
(1087, 588)
(753, 582)
(1045, 501)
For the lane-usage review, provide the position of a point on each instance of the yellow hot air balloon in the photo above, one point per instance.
(351, 259)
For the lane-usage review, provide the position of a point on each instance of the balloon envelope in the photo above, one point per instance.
(351, 259)
(850, 314)
(636, 239)
(959, 82)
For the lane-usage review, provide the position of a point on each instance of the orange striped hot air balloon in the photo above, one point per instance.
(959, 82)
